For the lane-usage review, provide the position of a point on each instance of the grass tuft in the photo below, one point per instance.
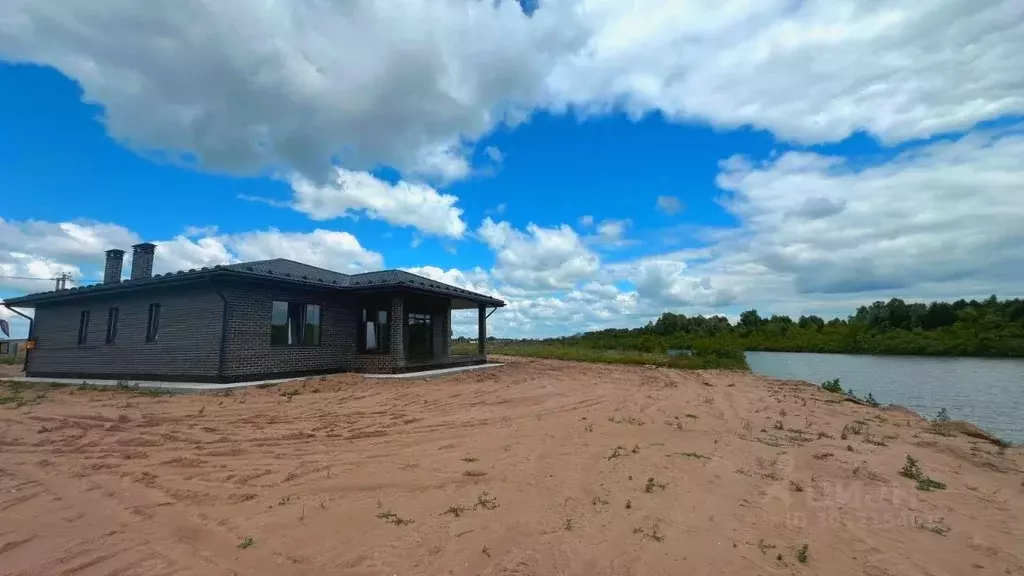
(391, 518)
(486, 501)
(652, 484)
(454, 511)
(801, 554)
(245, 543)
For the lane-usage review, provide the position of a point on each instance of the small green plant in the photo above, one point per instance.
(629, 504)
(801, 554)
(615, 453)
(832, 385)
(795, 486)
(635, 449)
(912, 470)
(870, 399)
(486, 501)
(694, 455)
(567, 524)
(470, 459)
(652, 484)
(778, 425)
(655, 533)
(245, 543)
(486, 551)
(392, 518)
(942, 416)
(598, 500)
(454, 511)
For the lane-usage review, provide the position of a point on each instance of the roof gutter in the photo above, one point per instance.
(31, 325)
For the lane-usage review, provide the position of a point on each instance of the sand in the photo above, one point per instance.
(537, 467)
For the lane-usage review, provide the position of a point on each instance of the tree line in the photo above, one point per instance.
(991, 327)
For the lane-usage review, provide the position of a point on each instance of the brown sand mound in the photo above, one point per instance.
(536, 468)
(965, 428)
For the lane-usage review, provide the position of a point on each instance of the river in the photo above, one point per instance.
(988, 392)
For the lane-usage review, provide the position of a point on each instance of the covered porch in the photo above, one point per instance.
(411, 331)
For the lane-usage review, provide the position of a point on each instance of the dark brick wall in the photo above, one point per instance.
(190, 323)
(248, 349)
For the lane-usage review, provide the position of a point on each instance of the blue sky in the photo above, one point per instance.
(592, 166)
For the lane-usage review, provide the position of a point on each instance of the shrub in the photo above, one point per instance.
(911, 469)
(832, 385)
(942, 416)
(871, 400)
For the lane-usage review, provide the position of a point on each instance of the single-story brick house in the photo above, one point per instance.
(247, 321)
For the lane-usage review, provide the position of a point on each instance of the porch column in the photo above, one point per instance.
(481, 339)
(397, 322)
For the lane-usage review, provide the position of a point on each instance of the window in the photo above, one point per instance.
(294, 324)
(83, 327)
(420, 339)
(374, 333)
(112, 325)
(153, 325)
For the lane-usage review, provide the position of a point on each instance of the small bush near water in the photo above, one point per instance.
(832, 385)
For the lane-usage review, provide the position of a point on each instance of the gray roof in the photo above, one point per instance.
(284, 270)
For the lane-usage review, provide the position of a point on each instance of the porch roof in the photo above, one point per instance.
(278, 270)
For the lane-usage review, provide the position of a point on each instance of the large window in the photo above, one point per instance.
(295, 324)
(420, 337)
(112, 325)
(153, 324)
(83, 327)
(374, 331)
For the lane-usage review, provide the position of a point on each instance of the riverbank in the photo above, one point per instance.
(731, 361)
(536, 467)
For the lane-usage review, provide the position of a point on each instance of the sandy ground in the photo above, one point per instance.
(537, 467)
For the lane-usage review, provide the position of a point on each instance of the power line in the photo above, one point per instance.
(51, 279)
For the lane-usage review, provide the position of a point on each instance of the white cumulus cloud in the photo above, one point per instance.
(299, 86)
(400, 204)
(538, 258)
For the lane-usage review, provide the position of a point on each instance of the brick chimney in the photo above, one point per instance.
(142, 260)
(112, 270)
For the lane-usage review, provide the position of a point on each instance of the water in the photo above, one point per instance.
(988, 392)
